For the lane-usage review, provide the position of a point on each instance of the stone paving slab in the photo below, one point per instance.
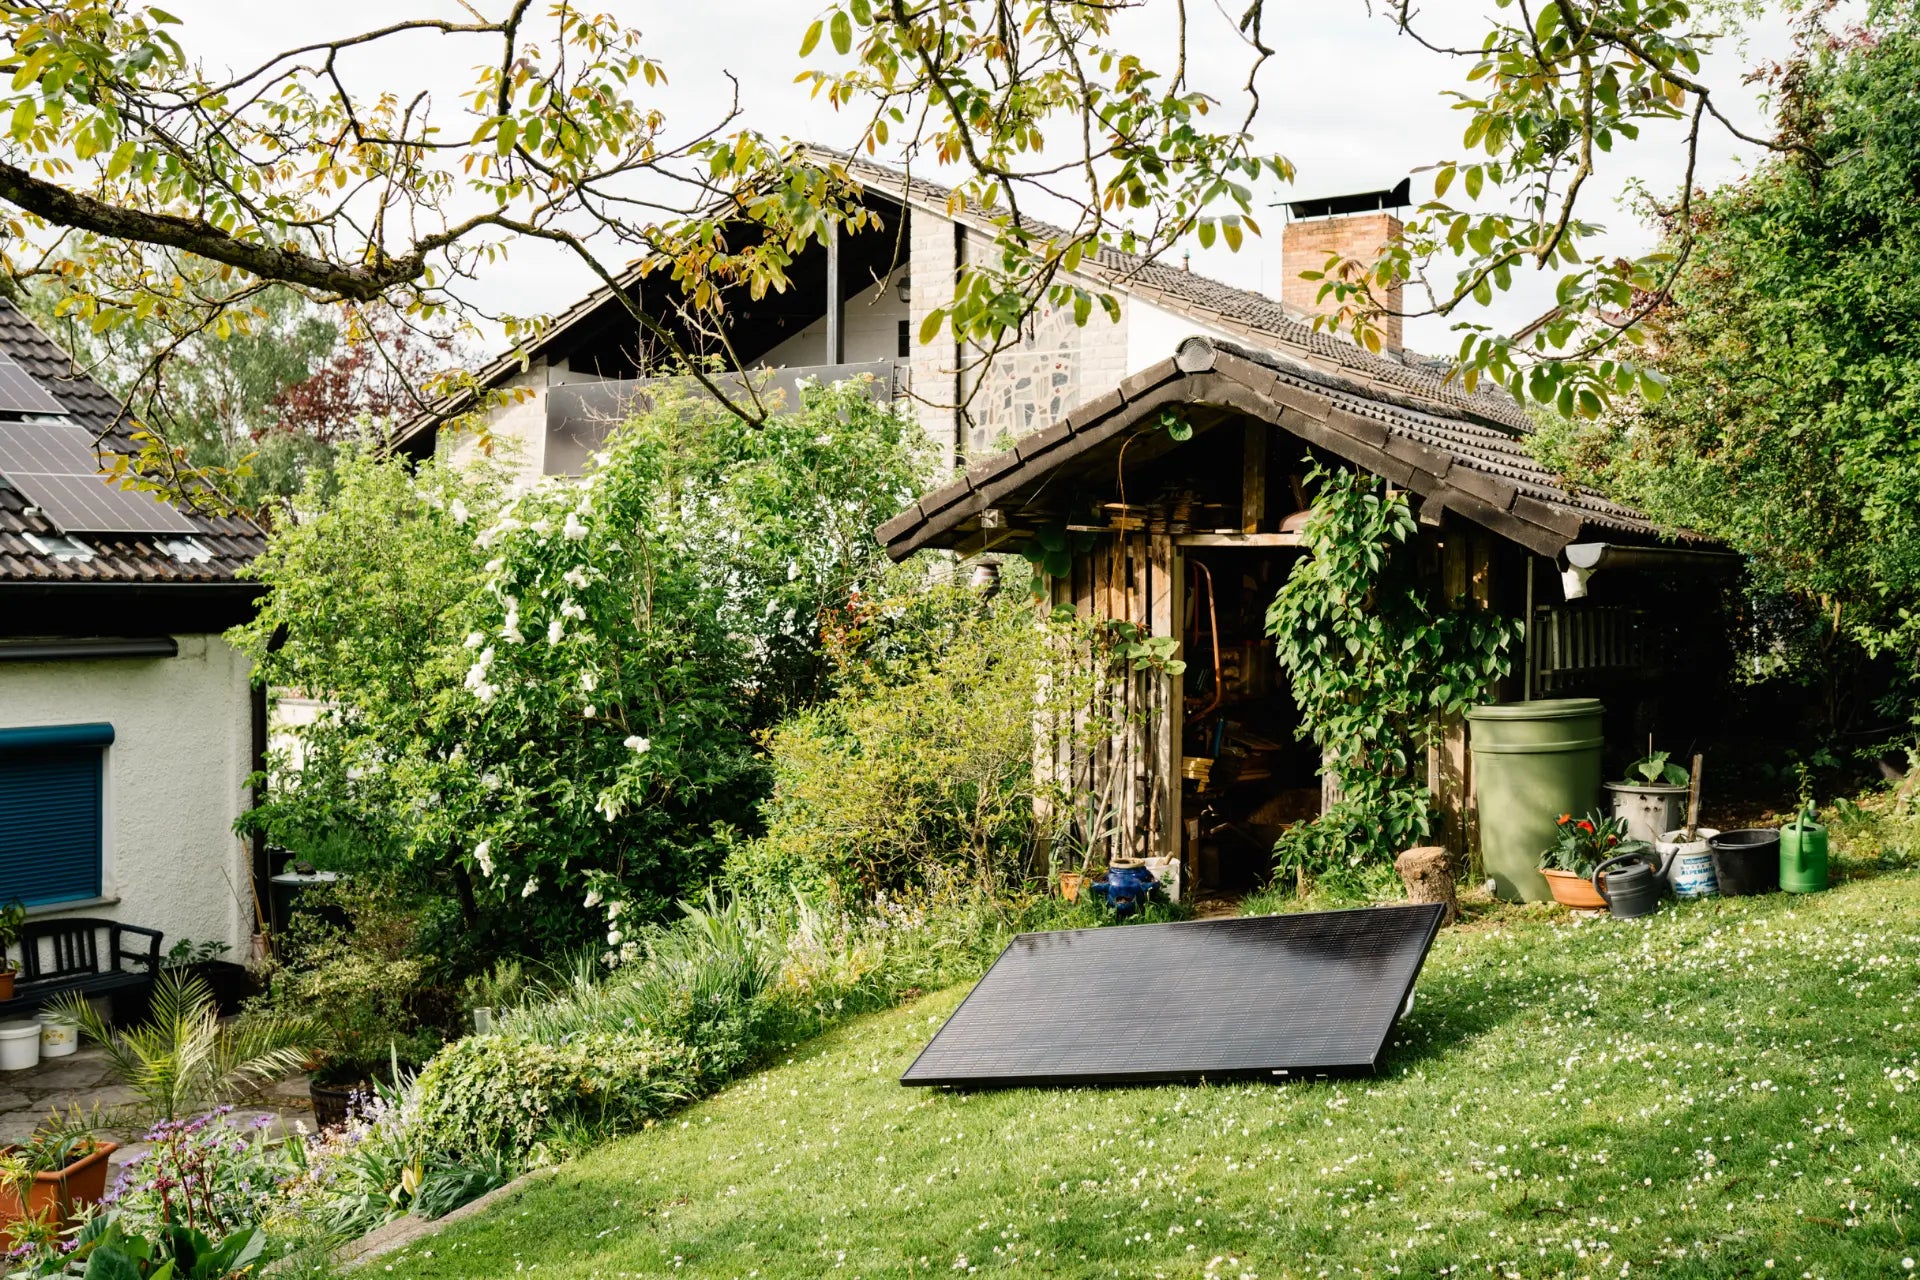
(85, 1079)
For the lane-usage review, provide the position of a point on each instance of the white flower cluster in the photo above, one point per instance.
(477, 674)
(621, 949)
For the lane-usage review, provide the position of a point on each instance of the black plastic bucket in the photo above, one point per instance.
(1746, 861)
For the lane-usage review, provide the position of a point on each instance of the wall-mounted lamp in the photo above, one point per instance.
(905, 286)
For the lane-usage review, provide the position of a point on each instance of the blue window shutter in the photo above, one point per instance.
(49, 824)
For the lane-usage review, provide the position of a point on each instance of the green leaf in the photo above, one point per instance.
(841, 29)
(107, 1263)
(812, 38)
(930, 327)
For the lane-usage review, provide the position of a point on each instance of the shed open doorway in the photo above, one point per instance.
(1245, 773)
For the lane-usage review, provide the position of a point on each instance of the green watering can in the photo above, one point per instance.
(1803, 854)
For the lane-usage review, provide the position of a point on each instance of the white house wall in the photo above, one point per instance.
(173, 783)
(1153, 332)
(872, 319)
(517, 431)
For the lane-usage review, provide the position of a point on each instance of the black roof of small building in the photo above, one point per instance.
(229, 541)
(1444, 453)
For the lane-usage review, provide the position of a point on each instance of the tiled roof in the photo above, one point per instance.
(1243, 314)
(117, 558)
(1449, 457)
(1251, 317)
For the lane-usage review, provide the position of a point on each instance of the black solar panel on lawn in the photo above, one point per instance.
(54, 465)
(1265, 996)
(20, 393)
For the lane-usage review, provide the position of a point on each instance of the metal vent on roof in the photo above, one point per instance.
(19, 393)
(1397, 196)
(54, 465)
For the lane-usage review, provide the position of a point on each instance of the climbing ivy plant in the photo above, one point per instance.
(1376, 662)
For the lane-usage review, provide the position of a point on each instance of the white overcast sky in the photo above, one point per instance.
(1354, 105)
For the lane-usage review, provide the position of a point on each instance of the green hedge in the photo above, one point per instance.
(503, 1094)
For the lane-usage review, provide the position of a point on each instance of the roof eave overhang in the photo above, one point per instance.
(67, 608)
(1202, 374)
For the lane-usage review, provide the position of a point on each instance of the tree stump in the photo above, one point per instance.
(1429, 878)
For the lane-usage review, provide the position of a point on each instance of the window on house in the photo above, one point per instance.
(906, 340)
(50, 812)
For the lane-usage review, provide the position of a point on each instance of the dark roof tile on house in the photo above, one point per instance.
(1241, 314)
(117, 558)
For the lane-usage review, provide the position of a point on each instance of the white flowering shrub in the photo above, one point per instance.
(544, 706)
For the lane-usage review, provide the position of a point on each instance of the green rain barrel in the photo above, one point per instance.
(1532, 762)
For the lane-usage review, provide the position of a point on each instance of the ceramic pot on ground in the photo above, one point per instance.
(1071, 882)
(1689, 862)
(6, 983)
(1648, 808)
(1574, 891)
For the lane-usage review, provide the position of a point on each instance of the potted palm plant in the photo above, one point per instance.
(12, 918)
(185, 1058)
(1579, 846)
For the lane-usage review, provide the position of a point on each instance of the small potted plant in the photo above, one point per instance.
(1652, 799)
(1579, 846)
(231, 984)
(12, 918)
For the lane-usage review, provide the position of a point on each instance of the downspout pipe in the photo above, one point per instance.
(1581, 560)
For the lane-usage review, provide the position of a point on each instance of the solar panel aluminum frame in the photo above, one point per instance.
(1419, 925)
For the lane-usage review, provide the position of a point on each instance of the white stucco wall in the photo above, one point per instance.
(516, 432)
(1153, 332)
(872, 317)
(174, 780)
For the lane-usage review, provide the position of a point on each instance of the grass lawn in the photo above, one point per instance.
(1730, 1088)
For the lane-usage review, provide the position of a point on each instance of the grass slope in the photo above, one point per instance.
(1726, 1089)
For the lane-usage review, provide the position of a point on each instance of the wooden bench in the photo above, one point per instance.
(89, 958)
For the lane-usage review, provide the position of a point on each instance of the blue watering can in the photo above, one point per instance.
(1125, 889)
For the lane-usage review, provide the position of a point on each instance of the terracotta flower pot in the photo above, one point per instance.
(1574, 892)
(6, 984)
(59, 1195)
(1071, 883)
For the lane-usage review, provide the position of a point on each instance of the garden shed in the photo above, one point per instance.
(1189, 536)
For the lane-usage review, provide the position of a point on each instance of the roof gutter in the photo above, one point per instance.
(1581, 560)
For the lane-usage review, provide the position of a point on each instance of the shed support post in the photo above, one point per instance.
(1253, 484)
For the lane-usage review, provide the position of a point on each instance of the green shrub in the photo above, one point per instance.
(922, 765)
(501, 1094)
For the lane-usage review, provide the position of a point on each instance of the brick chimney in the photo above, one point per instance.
(1357, 226)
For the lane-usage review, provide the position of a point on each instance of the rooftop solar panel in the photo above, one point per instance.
(54, 465)
(20, 393)
(1258, 996)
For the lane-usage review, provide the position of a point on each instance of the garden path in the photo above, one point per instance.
(84, 1079)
